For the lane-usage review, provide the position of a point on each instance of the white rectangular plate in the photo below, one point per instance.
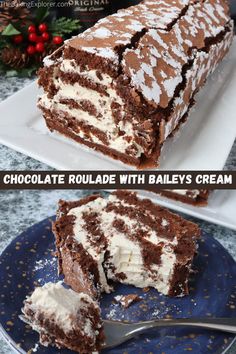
(203, 143)
(221, 209)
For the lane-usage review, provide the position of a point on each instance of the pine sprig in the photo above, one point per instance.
(3, 42)
(25, 72)
(63, 26)
(41, 14)
(21, 56)
(10, 30)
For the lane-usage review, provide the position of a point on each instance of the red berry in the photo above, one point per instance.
(33, 37)
(57, 40)
(30, 49)
(32, 29)
(39, 39)
(18, 39)
(45, 36)
(43, 27)
(40, 47)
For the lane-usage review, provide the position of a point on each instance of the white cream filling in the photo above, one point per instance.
(61, 305)
(105, 123)
(126, 254)
(69, 65)
(81, 236)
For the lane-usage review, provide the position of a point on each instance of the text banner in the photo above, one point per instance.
(148, 180)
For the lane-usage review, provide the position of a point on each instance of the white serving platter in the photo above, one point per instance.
(203, 143)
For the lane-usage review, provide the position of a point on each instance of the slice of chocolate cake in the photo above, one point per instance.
(196, 197)
(124, 239)
(123, 86)
(64, 318)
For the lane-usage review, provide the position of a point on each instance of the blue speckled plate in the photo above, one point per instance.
(28, 261)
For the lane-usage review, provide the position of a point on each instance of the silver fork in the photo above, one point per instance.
(119, 332)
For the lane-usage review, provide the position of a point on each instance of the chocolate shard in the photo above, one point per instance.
(127, 300)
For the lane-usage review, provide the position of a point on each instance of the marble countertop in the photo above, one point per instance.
(21, 209)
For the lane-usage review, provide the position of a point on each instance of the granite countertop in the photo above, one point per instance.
(21, 209)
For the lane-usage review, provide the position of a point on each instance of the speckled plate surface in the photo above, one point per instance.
(28, 261)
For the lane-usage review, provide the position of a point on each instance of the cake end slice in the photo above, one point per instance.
(64, 318)
(125, 239)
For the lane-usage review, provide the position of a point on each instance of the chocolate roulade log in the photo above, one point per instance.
(124, 86)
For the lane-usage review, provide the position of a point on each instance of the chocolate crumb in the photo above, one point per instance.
(127, 300)
(146, 290)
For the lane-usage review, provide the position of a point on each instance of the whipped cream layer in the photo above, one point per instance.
(120, 135)
(62, 306)
(125, 261)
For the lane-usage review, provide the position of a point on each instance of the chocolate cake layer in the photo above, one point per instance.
(124, 85)
(64, 318)
(124, 239)
(196, 197)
